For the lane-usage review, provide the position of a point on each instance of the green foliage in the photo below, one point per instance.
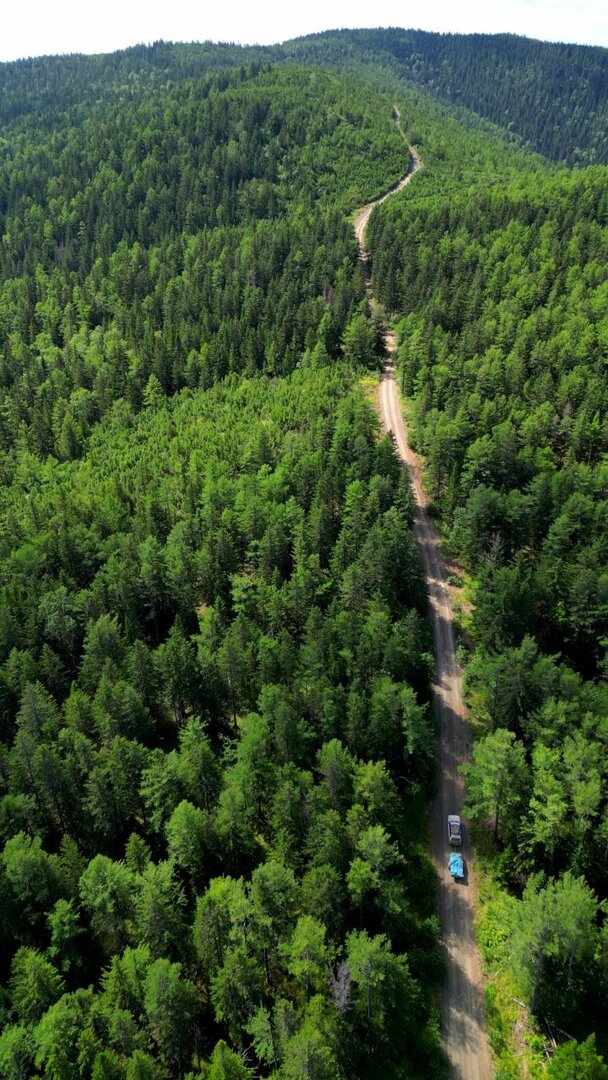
(312, 1049)
(496, 780)
(15, 1052)
(107, 891)
(159, 911)
(213, 659)
(358, 341)
(35, 985)
(489, 267)
(495, 76)
(63, 1040)
(171, 1005)
(554, 941)
(188, 837)
(236, 991)
(124, 980)
(580, 1060)
(141, 1066)
(226, 1065)
(306, 953)
(30, 874)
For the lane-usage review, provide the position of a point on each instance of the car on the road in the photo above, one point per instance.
(456, 865)
(454, 830)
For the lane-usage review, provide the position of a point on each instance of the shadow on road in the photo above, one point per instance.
(464, 1039)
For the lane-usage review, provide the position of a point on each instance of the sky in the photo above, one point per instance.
(42, 27)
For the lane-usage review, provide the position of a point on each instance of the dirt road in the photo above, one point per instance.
(463, 1032)
(362, 215)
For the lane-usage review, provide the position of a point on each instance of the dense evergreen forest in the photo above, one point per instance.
(215, 739)
(214, 664)
(501, 291)
(552, 97)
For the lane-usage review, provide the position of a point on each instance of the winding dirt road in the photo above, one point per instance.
(463, 1031)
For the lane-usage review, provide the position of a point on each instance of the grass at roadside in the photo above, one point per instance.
(518, 1049)
(519, 1052)
(369, 385)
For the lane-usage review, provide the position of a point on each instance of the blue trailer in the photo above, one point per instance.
(456, 865)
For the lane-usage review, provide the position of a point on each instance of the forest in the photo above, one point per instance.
(501, 295)
(216, 742)
(552, 96)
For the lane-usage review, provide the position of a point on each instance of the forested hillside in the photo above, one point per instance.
(215, 739)
(214, 724)
(503, 303)
(553, 96)
(177, 239)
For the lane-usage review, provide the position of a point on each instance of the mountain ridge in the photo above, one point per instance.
(553, 96)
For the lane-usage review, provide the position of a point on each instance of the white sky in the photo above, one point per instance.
(42, 27)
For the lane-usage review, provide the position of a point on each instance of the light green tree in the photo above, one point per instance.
(159, 910)
(548, 803)
(580, 1060)
(311, 1052)
(65, 932)
(107, 891)
(35, 984)
(16, 1052)
(553, 942)
(307, 953)
(236, 991)
(226, 1065)
(217, 912)
(496, 779)
(172, 1006)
